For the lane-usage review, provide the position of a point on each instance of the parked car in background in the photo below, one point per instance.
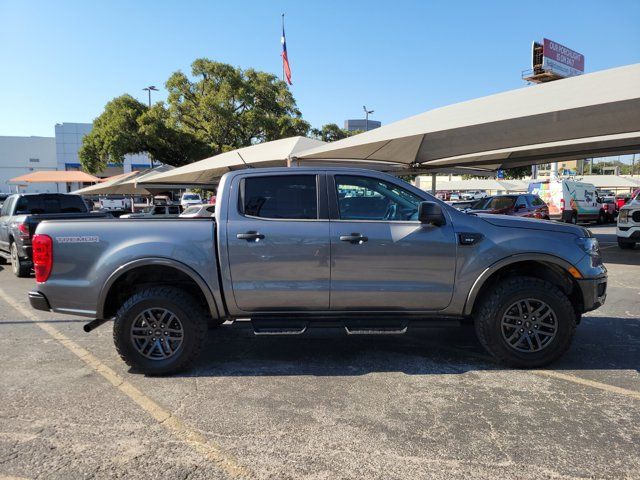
(114, 202)
(189, 198)
(569, 201)
(293, 248)
(524, 205)
(610, 209)
(166, 211)
(3, 197)
(443, 195)
(21, 214)
(199, 211)
(473, 194)
(628, 227)
(454, 196)
(162, 200)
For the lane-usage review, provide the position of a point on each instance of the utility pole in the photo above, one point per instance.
(366, 118)
(149, 89)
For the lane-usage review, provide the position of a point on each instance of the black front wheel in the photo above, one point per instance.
(525, 322)
(160, 330)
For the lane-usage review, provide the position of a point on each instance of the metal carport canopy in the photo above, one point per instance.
(590, 115)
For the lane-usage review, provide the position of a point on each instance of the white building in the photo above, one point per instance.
(22, 155)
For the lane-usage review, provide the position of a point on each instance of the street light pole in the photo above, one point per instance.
(149, 89)
(366, 118)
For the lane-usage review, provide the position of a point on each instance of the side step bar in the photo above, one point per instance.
(354, 326)
(265, 326)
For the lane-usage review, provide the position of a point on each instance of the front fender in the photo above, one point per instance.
(493, 268)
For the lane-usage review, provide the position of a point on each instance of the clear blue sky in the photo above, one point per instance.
(63, 60)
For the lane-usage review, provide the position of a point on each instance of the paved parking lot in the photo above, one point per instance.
(428, 404)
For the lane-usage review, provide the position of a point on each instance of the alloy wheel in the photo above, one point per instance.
(157, 333)
(529, 325)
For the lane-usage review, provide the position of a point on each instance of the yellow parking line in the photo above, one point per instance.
(164, 417)
(588, 383)
(557, 375)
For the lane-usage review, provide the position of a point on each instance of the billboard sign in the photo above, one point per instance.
(561, 60)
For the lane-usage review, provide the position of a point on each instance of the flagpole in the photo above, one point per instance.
(281, 46)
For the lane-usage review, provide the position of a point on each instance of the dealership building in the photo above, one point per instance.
(22, 155)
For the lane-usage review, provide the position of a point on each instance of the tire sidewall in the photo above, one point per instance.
(122, 334)
(565, 316)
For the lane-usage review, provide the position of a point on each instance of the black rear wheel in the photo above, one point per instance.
(525, 322)
(626, 245)
(160, 330)
(17, 264)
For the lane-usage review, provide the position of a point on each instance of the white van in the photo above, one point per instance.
(569, 200)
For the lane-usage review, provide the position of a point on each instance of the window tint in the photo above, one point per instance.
(521, 201)
(287, 196)
(72, 204)
(536, 201)
(174, 210)
(495, 203)
(29, 205)
(364, 198)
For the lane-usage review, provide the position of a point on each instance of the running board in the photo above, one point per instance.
(372, 327)
(278, 327)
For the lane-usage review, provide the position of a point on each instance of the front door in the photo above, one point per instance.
(278, 243)
(382, 257)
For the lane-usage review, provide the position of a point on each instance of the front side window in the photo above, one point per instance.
(293, 197)
(365, 198)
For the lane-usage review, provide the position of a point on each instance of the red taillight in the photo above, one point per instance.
(24, 230)
(42, 256)
(562, 203)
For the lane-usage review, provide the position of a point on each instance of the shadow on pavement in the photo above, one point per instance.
(601, 343)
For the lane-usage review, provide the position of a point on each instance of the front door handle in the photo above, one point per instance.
(355, 238)
(250, 236)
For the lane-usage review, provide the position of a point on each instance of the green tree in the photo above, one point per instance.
(227, 107)
(332, 132)
(220, 109)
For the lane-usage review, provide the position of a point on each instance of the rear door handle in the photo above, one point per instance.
(250, 236)
(355, 238)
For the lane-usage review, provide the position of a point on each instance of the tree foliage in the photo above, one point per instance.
(219, 108)
(332, 132)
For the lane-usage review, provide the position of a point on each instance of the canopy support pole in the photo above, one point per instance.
(433, 183)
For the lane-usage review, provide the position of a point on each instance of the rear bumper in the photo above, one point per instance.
(39, 301)
(594, 292)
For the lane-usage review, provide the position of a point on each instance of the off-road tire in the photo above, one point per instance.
(626, 245)
(17, 265)
(184, 306)
(573, 219)
(493, 306)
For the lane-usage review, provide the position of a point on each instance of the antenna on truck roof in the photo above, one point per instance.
(243, 161)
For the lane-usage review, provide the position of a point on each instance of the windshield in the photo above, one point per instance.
(494, 203)
(191, 196)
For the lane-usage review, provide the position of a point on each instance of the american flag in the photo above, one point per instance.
(286, 68)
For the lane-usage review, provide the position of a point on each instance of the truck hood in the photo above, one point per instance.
(534, 224)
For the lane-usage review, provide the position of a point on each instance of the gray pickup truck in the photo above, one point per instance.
(20, 215)
(293, 248)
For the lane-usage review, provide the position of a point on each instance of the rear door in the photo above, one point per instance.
(278, 242)
(382, 258)
(4, 223)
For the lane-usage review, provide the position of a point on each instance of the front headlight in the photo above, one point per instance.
(591, 247)
(623, 216)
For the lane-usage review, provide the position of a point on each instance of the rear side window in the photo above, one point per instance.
(174, 210)
(293, 197)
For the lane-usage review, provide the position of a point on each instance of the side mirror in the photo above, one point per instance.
(431, 212)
